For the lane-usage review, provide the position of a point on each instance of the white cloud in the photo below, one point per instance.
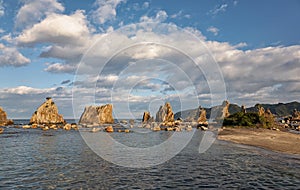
(57, 28)
(106, 10)
(60, 68)
(34, 10)
(218, 9)
(1, 30)
(10, 56)
(160, 17)
(2, 9)
(213, 30)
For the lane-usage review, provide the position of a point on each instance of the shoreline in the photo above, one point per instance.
(277, 141)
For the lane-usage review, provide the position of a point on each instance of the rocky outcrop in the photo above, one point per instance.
(202, 117)
(225, 110)
(146, 116)
(243, 109)
(269, 118)
(296, 115)
(3, 118)
(47, 113)
(97, 115)
(261, 110)
(165, 115)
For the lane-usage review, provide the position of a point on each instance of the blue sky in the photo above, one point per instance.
(256, 44)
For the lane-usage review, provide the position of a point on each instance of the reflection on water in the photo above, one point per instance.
(61, 159)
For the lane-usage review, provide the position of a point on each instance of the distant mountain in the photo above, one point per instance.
(194, 113)
(280, 109)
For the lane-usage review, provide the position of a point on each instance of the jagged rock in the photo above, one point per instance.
(261, 110)
(296, 114)
(146, 117)
(97, 115)
(225, 110)
(1, 130)
(47, 113)
(3, 118)
(269, 118)
(243, 108)
(202, 116)
(165, 115)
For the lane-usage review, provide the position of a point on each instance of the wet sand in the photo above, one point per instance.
(277, 141)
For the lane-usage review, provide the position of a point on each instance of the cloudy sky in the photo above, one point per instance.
(139, 54)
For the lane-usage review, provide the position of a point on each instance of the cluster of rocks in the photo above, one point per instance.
(46, 127)
(165, 120)
(292, 122)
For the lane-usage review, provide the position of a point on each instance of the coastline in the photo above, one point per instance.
(277, 141)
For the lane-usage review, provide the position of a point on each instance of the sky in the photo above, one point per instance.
(139, 54)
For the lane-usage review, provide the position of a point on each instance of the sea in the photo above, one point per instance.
(36, 159)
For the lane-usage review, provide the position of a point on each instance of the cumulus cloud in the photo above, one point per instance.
(106, 10)
(213, 30)
(57, 28)
(34, 10)
(10, 56)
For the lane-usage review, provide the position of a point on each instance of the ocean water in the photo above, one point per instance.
(60, 159)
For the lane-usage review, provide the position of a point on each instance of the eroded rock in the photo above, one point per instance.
(165, 115)
(3, 118)
(47, 113)
(97, 115)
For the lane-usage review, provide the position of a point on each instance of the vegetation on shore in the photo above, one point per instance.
(251, 119)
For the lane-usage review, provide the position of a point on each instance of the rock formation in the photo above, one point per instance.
(165, 115)
(97, 115)
(146, 117)
(296, 114)
(269, 118)
(261, 110)
(202, 117)
(3, 118)
(225, 112)
(47, 113)
(243, 108)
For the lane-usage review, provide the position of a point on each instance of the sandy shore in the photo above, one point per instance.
(273, 140)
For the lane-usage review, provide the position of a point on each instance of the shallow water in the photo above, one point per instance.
(61, 160)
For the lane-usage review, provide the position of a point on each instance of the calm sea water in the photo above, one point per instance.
(60, 159)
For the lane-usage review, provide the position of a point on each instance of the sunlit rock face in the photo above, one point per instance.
(47, 113)
(202, 117)
(3, 118)
(165, 115)
(146, 116)
(97, 115)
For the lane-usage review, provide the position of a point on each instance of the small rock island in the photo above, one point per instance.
(47, 113)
